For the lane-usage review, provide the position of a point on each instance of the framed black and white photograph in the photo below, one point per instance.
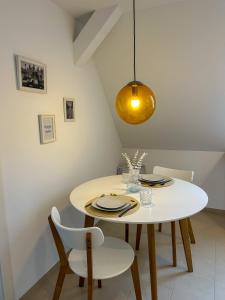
(47, 128)
(31, 75)
(69, 109)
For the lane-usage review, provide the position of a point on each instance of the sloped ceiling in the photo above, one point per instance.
(80, 7)
(181, 56)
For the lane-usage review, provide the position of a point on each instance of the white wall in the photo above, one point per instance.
(209, 168)
(181, 56)
(6, 286)
(35, 176)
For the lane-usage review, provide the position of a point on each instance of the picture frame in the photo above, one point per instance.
(69, 109)
(31, 75)
(47, 128)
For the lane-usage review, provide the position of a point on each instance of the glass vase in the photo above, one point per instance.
(133, 185)
(134, 175)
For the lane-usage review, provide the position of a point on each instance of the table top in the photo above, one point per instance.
(180, 200)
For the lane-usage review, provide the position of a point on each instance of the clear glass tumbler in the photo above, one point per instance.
(146, 197)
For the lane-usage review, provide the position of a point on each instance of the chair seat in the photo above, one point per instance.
(111, 259)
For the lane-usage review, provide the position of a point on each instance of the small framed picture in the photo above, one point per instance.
(69, 109)
(47, 128)
(31, 75)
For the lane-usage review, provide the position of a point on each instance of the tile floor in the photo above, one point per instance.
(207, 282)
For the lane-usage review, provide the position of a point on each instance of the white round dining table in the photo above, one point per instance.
(176, 202)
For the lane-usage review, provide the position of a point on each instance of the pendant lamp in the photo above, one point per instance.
(135, 102)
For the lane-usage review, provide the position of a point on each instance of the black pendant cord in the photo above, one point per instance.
(134, 37)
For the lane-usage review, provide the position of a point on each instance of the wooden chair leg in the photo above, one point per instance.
(81, 282)
(63, 256)
(190, 230)
(152, 260)
(173, 235)
(127, 233)
(186, 243)
(138, 236)
(136, 279)
(99, 284)
(59, 283)
(160, 227)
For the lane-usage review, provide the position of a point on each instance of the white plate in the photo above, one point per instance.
(109, 202)
(152, 177)
(106, 209)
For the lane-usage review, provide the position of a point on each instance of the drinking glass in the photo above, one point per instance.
(146, 197)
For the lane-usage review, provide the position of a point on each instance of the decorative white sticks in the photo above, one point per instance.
(134, 163)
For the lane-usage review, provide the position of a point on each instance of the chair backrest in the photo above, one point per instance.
(180, 174)
(75, 238)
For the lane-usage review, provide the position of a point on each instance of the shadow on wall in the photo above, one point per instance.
(6, 275)
(43, 252)
(1, 285)
(71, 217)
(214, 184)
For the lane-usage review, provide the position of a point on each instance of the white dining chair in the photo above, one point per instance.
(180, 174)
(92, 255)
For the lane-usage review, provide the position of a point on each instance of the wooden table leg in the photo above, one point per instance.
(127, 233)
(173, 235)
(138, 236)
(89, 265)
(186, 243)
(99, 284)
(152, 260)
(191, 233)
(88, 222)
(160, 227)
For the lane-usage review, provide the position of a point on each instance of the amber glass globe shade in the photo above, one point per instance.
(135, 103)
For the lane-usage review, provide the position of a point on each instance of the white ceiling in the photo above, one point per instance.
(79, 7)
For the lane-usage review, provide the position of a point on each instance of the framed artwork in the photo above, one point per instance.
(47, 128)
(31, 76)
(69, 109)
